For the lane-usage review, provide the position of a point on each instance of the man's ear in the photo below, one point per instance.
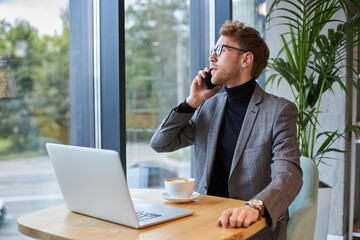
(247, 59)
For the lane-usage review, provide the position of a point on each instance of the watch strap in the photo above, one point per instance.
(259, 207)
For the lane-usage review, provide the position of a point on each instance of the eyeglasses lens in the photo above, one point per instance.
(216, 50)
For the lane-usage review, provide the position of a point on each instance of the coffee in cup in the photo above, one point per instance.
(180, 187)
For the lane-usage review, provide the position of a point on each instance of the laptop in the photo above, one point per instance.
(92, 182)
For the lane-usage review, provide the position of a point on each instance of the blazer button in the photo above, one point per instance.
(205, 187)
(281, 218)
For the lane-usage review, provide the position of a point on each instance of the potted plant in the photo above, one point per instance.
(312, 61)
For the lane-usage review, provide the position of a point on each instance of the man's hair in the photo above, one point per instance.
(250, 40)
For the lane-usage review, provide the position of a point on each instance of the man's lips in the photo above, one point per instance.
(213, 69)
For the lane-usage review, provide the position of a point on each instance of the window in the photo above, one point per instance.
(253, 13)
(157, 80)
(34, 104)
(34, 88)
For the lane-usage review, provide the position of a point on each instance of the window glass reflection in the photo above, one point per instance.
(157, 70)
(252, 13)
(34, 104)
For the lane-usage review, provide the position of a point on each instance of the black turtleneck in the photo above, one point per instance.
(238, 99)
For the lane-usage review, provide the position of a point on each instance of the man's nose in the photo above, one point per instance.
(213, 58)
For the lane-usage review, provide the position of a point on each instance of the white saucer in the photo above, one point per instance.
(194, 196)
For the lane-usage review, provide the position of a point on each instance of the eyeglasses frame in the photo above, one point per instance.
(214, 50)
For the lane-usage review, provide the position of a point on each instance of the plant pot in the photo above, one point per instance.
(323, 211)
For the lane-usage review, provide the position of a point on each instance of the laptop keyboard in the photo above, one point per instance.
(142, 216)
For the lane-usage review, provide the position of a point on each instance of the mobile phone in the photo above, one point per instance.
(207, 80)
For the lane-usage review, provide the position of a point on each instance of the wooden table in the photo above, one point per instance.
(60, 223)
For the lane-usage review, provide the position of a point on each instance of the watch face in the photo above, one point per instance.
(256, 202)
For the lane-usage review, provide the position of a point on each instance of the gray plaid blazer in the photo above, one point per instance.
(266, 162)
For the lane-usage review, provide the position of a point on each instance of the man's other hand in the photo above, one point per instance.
(238, 217)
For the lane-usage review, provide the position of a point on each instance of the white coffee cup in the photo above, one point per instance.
(180, 187)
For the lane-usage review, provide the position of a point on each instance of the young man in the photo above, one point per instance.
(245, 143)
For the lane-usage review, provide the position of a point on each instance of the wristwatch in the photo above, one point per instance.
(257, 204)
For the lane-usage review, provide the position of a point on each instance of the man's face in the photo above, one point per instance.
(226, 67)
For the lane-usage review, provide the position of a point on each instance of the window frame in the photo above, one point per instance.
(111, 74)
(81, 74)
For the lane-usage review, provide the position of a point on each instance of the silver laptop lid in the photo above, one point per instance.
(93, 183)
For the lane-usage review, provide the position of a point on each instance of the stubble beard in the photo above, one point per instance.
(224, 76)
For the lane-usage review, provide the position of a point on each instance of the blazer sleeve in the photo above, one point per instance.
(286, 173)
(175, 131)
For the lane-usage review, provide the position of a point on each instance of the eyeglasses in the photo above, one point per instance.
(219, 48)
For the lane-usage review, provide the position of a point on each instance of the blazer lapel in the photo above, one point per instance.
(247, 126)
(214, 135)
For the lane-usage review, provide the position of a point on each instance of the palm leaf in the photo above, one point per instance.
(312, 61)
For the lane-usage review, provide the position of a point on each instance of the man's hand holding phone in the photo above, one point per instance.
(199, 93)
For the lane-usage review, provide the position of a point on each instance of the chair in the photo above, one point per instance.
(303, 209)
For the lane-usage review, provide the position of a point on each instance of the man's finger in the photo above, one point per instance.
(225, 218)
(240, 219)
(202, 74)
(219, 222)
(234, 216)
(247, 221)
(207, 69)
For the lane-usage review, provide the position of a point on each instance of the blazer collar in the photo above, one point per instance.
(247, 127)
